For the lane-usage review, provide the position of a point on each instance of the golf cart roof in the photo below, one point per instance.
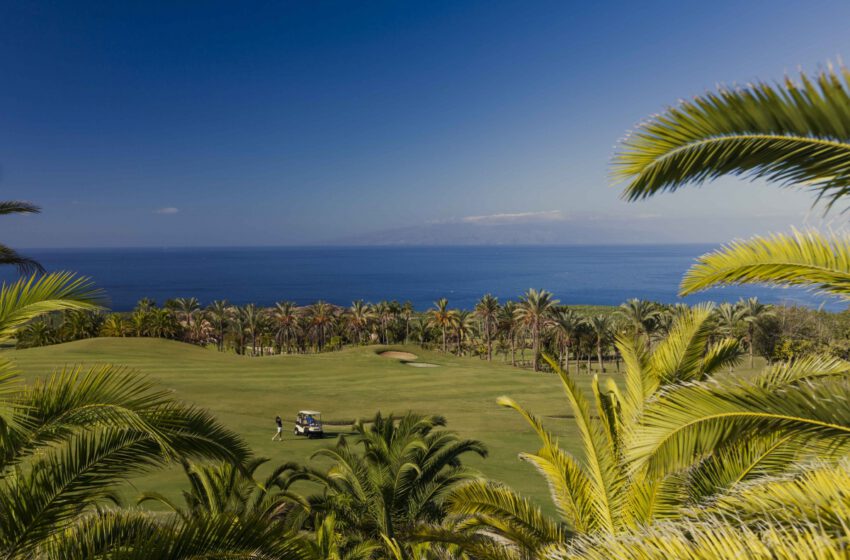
(313, 412)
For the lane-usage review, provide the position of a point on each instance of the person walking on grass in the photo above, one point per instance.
(279, 435)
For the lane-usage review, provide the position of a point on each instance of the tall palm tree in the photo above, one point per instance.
(218, 313)
(641, 315)
(392, 477)
(407, 313)
(9, 256)
(487, 310)
(253, 319)
(534, 311)
(753, 312)
(320, 318)
(286, 316)
(565, 323)
(145, 305)
(188, 308)
(601, 327)
(464, 327)
(730, 318)
(358, 318)
(384, 314)
(791, 133)
(508, 325)
(441, 317)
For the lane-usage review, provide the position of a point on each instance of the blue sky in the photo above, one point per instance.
(206, 123)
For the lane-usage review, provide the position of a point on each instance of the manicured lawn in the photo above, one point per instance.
(246, 394)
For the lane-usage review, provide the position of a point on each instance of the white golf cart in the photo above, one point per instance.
(309, 423)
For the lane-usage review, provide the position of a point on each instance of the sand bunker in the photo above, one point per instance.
(398, 355)
(420, 364)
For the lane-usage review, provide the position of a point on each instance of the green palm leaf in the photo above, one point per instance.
(692, 420)
(809, 259)
(28, 298)
(791, 133)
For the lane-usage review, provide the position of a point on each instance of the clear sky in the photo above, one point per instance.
(249, 123)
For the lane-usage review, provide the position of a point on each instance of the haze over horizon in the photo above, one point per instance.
(163, 124)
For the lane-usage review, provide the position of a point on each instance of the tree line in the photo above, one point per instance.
(518, 331)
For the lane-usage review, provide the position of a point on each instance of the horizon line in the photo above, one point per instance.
(366, 246)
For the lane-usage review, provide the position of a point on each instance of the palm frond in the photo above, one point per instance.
(709, 540)
(689, 421)
(25, 265)
(569, 484)
(792, 133)
(507, 513)
(28, 298)
(809, 259)
(599, 456)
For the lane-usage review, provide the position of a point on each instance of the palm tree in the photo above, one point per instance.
(115, 325)
(441, 317)
(642, 316)
(392, 477)
(753, 312)
(69, 440)
(145, 305)
(508, 325)
(227, 488)
(384, 314)
(534, 311)
(358, 318)
(77, 324)
(601, 327)
(37, 333)
(464, 327)
(729, 319)
(252, 318)
(218, 313)
(487, 310)
(320, 318)
(407, 312)
(188, 307)
(565, 323)
(9, 256)
(162, 324)
(672, 441)
(286, 316)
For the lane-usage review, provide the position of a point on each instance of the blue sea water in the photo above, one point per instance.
(605, 275)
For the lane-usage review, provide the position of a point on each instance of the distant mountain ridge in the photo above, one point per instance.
(589, 230)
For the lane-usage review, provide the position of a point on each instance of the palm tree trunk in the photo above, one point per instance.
(750, 334)
(445, 348)
(599, 355)
(535, 344)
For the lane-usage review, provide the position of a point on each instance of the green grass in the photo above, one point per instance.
(246, 394)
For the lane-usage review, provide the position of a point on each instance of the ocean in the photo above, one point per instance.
(599, 275)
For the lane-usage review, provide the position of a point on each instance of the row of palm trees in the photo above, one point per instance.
(536, 321)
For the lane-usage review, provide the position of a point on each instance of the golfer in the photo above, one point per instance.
(279, 435)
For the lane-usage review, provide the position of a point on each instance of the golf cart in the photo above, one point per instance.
(309, 423)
